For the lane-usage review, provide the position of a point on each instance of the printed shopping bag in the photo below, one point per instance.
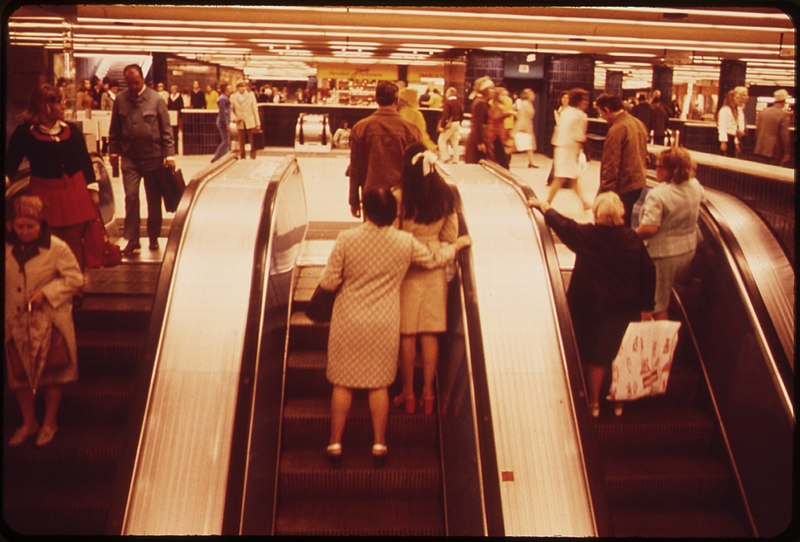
(644, 360)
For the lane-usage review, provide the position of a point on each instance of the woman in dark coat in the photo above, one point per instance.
(612, 284)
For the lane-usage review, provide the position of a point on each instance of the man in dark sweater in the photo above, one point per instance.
(450, 126)
(140, 132)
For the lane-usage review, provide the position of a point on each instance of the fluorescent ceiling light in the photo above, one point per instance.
(638, 55)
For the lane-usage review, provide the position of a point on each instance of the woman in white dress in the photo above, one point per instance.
(568, 138)
(524, 139)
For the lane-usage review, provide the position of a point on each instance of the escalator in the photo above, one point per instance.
(232, 440)
(708, 459)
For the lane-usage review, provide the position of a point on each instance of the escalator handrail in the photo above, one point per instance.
(482, 416)
(243, 418)
(571, 357)
(687, 325)
(779, 368)
(130, 447)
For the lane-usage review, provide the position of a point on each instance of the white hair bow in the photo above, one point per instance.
(428, 160)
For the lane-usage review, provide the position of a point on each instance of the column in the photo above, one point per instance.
(731, 75)
(614, 82)
(662, 81)
(562, 73)
(480, 63)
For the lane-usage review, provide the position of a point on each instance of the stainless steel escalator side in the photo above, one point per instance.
(748, 378)
(183, 448)
(543, 487)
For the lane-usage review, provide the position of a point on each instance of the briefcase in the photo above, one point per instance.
(172, 186)
(258, 139)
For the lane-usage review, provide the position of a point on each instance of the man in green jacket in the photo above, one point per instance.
(623, 166)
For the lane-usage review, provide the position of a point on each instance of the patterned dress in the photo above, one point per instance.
(367, 265)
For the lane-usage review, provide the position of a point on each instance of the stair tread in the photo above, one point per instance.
(402, 458)
(664, 466)
(365, 517)
(679, 520)
(656, 414)
(307, 359)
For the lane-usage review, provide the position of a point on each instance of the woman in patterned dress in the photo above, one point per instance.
(367, 265)
(427, 211)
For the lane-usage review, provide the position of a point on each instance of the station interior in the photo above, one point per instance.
(202, 406)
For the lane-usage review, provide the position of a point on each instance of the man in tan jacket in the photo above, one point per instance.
(376, 147)
(623, 166)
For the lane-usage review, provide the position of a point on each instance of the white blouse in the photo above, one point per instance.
(727, 124)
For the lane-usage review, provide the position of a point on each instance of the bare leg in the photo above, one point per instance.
(579, 191)
(558, 182)
(379, 410)
(530, 159)
(52, 400)
(408, 353)
(430, 357)
(596, 375)
(341, 399)
(27, 405)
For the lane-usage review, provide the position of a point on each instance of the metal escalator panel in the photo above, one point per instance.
(766, 263)
(181, 468)
(543, 486)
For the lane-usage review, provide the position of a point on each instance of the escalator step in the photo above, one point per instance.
(109, 351)
(305, 375)
(306, 422)
(409, 472)
(655, 427)
(49, 509)
(368, 517)
(114, 312)
(306, 334)
(75, 447)
(97, 399)
(680, 521)
(664, 479)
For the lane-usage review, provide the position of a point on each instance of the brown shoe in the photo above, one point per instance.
(133, 247)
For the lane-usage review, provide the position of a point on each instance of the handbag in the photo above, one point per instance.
(172, 186)
(642, 365)
(320, 307)
(523, 141)
(98, 249)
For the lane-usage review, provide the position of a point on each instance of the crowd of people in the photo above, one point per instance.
(388, 272)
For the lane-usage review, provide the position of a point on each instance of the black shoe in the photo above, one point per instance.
(153, 243)
(133, 247)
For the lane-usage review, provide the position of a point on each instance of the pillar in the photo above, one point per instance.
(614, 82)
(662, 81)
(480, 63)
(731, 75)
(562, 73)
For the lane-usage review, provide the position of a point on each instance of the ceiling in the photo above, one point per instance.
(266, 38)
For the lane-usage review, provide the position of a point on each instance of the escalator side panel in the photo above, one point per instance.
(538, 451)
(185, 448)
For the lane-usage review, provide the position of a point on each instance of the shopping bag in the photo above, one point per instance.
(98, 250)
(642, 365)
(523, 141)
(172, 186)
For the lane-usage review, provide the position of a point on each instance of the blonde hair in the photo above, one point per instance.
(608, 209)
(678, 162)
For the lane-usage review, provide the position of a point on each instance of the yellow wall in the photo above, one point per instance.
(357, 71)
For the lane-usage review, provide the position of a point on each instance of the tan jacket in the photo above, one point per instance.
(624, 163)
(377, 144)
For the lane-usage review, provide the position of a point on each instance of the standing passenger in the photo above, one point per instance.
(244, 110)
(658, 120)
(668, 222)
(198, 97)
(731, 127)
(223, 121)
(175, 103)
(624, 164)
(427, 210)
(367, 265)
(41, 273)
(773, 141)
(450, 127)
(141, 134)
(376, 147)
(612, 284)
(60, 167)
(477, 147)
(211, 97)
(407, 107)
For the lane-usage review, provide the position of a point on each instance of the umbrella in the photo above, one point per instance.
(31, 331)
